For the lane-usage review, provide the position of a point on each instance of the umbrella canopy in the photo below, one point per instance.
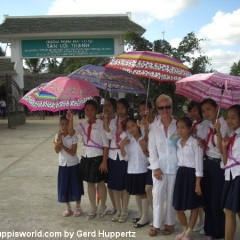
(112, 80)
(37, 100)
(152, 65)
(71, 88)
(223, 88)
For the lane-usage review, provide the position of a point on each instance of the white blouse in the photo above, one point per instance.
(213, 151)
(137, 161)
(191, 155)
(163, 149)
(114, 149)
(235, 153)
(98, 139)
(65, 159)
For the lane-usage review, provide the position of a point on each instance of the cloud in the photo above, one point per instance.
(142, 12)
(224, 29)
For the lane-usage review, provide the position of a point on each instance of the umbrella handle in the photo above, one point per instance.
(214, 130)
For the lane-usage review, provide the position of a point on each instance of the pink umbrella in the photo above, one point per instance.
(152, 65)
(223, 88)
(70, 88)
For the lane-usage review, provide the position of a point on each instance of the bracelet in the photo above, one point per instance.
(55, 142)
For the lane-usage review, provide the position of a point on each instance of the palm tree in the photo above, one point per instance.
(2, 53)
(36, 65)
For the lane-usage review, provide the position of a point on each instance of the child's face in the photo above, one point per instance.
(108, 108)
(233, 119)
(194, 114)
(183, 130)
(90, 111)
(144, 111)
(121, 110)
(64, 126)
(132, 128)
(209, 112)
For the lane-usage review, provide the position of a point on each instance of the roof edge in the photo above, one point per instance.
(128, 14)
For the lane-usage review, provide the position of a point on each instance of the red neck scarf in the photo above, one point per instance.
(89, 129)
(231, 142)
(196, 123)
(210, 135)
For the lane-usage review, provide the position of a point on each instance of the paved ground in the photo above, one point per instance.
(28, 188)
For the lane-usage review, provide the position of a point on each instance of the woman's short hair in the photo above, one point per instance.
(163, 97)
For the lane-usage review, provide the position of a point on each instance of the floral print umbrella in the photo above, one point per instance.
(112, 80)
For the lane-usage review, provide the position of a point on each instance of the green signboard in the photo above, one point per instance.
(67, 47)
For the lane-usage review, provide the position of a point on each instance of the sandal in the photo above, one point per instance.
(78, 212)
(135, 219)
(68, 212)
(123, 217)
(111, 211)
(153, 232)
(180, 236)
(91, 216)
(168, 229)
(115, 217)
(101, 215)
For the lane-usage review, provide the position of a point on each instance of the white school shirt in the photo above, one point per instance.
(137, 161)
(98, 135)
(114, 149)
(65, 159)
(163, 149)
(213, 151)
(191, 155)
(202, 129)
(235, 170)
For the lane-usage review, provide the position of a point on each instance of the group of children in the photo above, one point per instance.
(114, 159)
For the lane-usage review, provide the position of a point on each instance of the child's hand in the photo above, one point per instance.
(201, 143)
(217, 126)
(103, 167)
(69, 115)
(124, 142)
(198, 190)
(225, 141)
(158, 174)
(59, 137)
(101, 116)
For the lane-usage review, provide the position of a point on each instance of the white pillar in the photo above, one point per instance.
(18, 67)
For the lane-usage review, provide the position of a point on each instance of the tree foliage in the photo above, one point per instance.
(36, 65)
(235, 69)
(186, 52)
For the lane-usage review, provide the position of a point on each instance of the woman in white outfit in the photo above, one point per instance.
(163, 159)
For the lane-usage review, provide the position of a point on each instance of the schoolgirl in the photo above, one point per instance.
(231, 165)
(213, 179)
(187, 190)
(117, 166)
(147, 118)
(199, 131)
(133, 150)
(69, 187)
(93, 165)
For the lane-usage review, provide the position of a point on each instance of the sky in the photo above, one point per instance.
(217, 21)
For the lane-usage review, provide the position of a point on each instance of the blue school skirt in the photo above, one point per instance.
(135, 183)
(117, 172)
(70, 188)
(184, 196)
(149, 180)
(89, 170)
(231, 194)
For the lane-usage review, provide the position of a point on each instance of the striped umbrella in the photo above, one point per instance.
(153, 65)
(223, 88)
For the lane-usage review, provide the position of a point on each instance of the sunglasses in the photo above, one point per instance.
(164, 107)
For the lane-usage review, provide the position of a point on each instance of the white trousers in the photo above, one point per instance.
(161, 189)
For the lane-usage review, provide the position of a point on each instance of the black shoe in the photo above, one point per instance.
(135, 220)
(138, 225)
